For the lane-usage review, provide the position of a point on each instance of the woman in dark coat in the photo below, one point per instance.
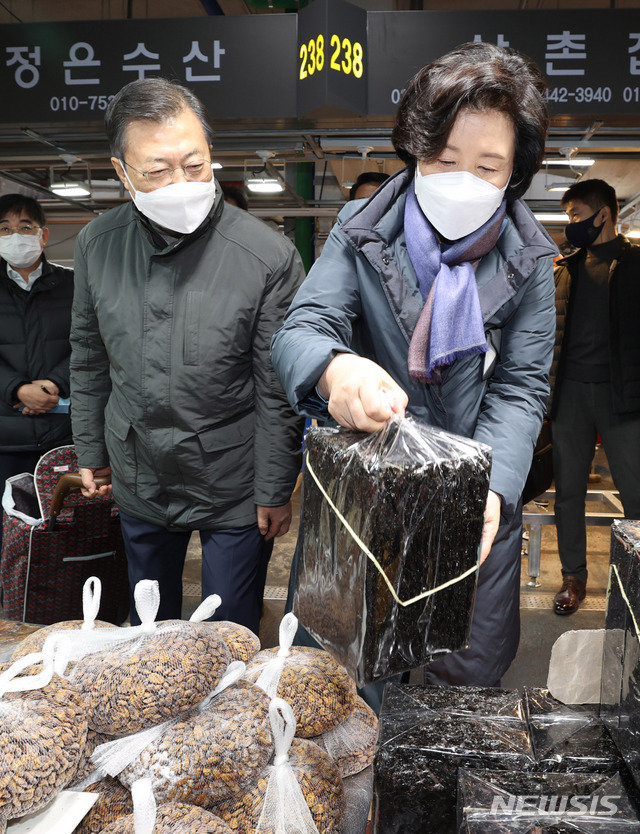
(436, 296)
(35, 319)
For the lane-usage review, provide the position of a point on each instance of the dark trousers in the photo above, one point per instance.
(495, 625)
(583, 411)
(234, 565)
(15, 463)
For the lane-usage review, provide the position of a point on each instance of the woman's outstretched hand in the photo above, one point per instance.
(361, 394)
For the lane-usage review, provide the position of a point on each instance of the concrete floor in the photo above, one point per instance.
(540, 626)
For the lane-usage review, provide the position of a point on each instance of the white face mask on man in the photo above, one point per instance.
(180, 207)
(21, 251)
(456, 203)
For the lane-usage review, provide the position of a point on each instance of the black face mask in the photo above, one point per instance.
(583, 233)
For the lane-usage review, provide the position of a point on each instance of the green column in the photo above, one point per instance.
(305, 172)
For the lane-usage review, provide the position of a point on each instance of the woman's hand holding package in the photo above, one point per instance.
(361, 394)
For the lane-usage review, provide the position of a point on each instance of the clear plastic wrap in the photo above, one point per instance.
(91, 594)
(43, 728)
(569, 739)
(551, 803)
(204, 757)
(391, 525)
(620, 707)
(166, 818)
(137, 677)
(425, 734)
(300, 792)
(352, 744)
(114, 802)
(318, 689)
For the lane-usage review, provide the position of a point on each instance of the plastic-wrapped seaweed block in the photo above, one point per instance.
(623, 611)
(425, 734)
(491, 802)
(388, 519)
(614, 638)
(569, 739)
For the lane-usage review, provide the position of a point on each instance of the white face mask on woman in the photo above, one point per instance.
(21, 251)
(456, 203)
(180, 207)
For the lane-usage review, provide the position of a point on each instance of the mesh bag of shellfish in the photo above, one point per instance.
(242, 643)
(203, 757)
(114, 801)
(91, 594)
(137, 677)
(164, 818)
(300, 792)
(318, 689)
(352, 744)
(43, 728)
(391, 524)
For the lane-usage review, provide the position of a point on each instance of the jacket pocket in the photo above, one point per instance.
(191, 337)
(120, 440)
(227, 435)
(227, 455)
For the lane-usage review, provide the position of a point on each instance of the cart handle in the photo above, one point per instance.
(68, 484)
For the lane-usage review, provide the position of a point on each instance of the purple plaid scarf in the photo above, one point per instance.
(450, 325)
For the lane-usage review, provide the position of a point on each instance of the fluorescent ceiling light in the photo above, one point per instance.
(574, 162)
(634, 234)
(70, 189)
(264, 185)
(551, 217)
(558, 186)
(216, 166)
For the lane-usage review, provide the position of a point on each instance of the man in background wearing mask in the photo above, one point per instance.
(35, 318)
(597, 372)
(177, 297)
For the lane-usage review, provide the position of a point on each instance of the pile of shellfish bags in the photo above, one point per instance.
(222, 736)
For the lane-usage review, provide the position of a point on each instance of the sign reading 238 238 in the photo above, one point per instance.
(343, 55)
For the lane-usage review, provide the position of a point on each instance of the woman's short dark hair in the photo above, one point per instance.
(152, 100)
(595, 193)
(18, 203)
(476, 76)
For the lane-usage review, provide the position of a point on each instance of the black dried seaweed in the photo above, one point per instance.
(425, 735)
(569, 739)
(491, 802)
(620, 707)
(421, 514)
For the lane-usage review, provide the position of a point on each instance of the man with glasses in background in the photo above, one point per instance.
(35, 319)
(177, 297)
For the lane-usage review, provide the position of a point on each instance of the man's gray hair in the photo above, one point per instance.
(152, 100)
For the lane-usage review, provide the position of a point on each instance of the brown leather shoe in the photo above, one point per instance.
(569, 597)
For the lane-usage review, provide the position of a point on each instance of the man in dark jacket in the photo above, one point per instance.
(35, 318)
(177, 297)
(597, 372)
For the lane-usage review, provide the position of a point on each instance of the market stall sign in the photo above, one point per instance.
(332, 47)
(59, 72)
(591, 59)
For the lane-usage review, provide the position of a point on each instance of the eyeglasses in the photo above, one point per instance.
(163, 176)
(23, 229)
